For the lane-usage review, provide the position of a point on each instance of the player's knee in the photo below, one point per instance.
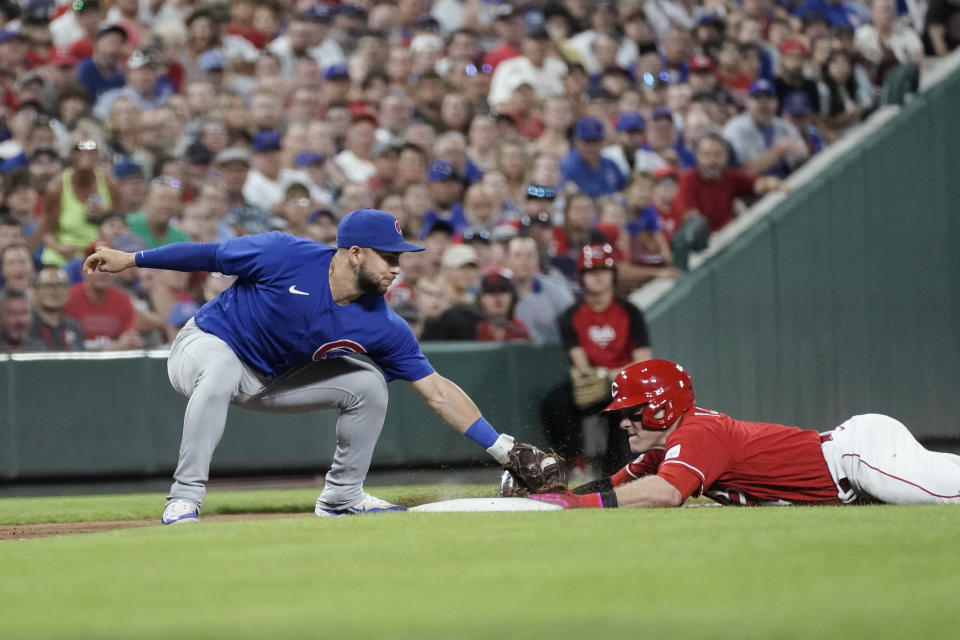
(371, 390)
(217, 384)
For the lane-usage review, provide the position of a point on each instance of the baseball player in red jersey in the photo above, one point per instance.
(688, 451)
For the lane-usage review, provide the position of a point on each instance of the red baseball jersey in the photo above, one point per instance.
(609, 336)
(737, 462)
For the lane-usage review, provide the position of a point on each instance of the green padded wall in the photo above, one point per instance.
(845, 299)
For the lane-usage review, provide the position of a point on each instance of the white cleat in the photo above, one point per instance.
(367, 504)
(179, 512)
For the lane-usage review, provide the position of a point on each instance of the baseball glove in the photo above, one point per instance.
(531, 470)
(590, 386)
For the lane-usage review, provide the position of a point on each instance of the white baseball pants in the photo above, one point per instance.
(204, 368)
(874, 457)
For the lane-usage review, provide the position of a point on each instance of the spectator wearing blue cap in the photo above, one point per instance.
(308, 35)
(446, 194)
(141, 84)
(798, 112)
(310, 169)
(764, 143)
(101, 72)
(593, 173)
(131, 184)
(664, 146)
(263, 187)
(630, 137)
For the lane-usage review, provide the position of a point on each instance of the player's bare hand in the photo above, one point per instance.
(108, 260)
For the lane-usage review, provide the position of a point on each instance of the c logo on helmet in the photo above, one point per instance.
(615, 389)
(396, 223)
(336, 349)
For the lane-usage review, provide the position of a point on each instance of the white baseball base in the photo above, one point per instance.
(467, 505)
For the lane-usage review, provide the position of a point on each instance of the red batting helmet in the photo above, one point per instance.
(658, 384)
(596, 256)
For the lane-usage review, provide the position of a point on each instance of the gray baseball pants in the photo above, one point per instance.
(204, 368)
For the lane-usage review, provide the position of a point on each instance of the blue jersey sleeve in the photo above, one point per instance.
(250, 258)
(402, 358)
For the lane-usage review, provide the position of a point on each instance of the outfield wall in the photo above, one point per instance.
(92, 415)
(844, 297)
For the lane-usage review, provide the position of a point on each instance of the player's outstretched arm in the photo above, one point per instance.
(537, 470)
(648, 491)
(109, 260)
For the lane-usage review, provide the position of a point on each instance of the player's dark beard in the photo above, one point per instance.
(369, 283)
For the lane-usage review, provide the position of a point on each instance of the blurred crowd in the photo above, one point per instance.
(525, 144)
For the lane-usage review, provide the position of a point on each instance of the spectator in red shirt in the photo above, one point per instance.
(104, 311)
(711, 188)
(510, 29)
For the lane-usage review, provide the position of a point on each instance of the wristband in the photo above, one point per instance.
(500, 450)
(482, 432)
(605, 499)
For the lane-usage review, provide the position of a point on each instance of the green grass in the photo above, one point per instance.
(845, 572)
(145, 506)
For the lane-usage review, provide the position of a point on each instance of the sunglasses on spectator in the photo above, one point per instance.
(476, 235)
(535, 192)
(168, 181)
(302, 202)
(659, 79)
(543, 217)
(86, 145)
(472, 69)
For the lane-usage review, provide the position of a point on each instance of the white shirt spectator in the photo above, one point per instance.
(261, 191)
(546, 81)
(539, 310)
(904, 42)
(353, 167)
(748, 141)
(327, 53)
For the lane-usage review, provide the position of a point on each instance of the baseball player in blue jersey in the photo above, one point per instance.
(272, 341)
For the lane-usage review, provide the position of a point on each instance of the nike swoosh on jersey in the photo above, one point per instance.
(293, 289)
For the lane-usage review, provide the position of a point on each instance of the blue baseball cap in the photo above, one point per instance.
(630, 121)
(127, 169)
(6, 35)
(762, 85)
(309, 159)
(319, 13)
(661, 112)
(266, 141)
(797, 104)
(373, 229)
(588, 129)
(441, 170)
(336, 72)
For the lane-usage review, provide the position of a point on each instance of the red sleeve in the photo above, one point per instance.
(695, 457)
(644, 465)
(744, 182)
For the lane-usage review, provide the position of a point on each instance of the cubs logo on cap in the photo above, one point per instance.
(373, 229)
